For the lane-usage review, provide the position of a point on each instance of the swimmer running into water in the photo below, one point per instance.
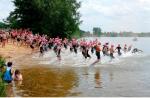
(136, 50)
(119, 49)
(112, 52)
(98, 50)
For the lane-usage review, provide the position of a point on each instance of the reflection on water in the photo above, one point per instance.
(97, 78)
(47, 82)
(9, 90)
(111, 75)
(85, 71)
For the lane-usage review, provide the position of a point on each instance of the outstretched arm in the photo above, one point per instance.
(140, 50)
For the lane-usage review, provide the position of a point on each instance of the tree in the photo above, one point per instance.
(3, 25)
(53, 17)
(97, 31)
(25, 15)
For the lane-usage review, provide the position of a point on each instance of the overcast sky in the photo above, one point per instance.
(110, 15)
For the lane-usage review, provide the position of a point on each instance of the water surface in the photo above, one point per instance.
(128, 76)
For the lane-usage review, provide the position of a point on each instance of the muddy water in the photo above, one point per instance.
(123, 80)
(127, 78)
(47, 82)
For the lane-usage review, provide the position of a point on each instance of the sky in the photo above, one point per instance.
(109, 15)
(6, 6)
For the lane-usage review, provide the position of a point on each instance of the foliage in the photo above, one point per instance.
(2, 89)
(2, 85)
(77, 34)
(3, 25)
(97, 31)
(53, 17)
(2, 61)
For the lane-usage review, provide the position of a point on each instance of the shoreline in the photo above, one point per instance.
(14, 54)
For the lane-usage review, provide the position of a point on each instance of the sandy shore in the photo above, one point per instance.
(13, 52)
(17, 55)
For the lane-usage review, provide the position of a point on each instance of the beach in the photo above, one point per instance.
(45, 76)
(75, 48)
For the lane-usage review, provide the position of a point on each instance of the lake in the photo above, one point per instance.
(126, 76)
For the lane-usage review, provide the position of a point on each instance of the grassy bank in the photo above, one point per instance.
(2, 85)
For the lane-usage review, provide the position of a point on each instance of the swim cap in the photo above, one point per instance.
(99, 43)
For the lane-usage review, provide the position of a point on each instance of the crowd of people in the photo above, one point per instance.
(43, 43)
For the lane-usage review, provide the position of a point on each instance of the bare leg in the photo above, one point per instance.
(95, 62)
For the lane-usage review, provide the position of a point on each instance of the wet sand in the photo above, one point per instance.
(13, 52)
(20, 56)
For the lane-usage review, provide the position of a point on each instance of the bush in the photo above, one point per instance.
(2, 85)
(2, 90)
(2, 61)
